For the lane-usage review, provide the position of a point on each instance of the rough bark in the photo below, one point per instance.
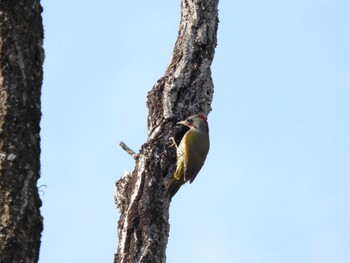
(21, 59)
(186, 88)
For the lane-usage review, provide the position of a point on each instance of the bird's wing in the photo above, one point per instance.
(197, 147)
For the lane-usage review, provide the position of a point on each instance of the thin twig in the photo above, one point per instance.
(129, 151)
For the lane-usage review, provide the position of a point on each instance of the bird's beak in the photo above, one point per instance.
(182, 122)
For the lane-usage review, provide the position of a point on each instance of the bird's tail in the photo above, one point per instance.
(173, 187)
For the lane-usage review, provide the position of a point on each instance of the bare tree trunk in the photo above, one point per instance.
(186, 88)
(21, 59)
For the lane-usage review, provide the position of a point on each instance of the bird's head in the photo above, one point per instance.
(197, 121)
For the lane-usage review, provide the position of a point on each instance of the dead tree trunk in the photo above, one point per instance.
(21, 59)
(186, 88)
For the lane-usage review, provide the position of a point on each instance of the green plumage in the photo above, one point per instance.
(191, 153)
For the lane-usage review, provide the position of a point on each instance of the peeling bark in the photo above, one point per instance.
(186, 88)
(21, 59)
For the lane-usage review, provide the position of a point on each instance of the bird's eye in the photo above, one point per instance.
(189, 120)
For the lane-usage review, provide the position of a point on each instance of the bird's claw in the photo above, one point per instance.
(172, 142)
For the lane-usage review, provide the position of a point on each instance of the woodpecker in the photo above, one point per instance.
(191, 152)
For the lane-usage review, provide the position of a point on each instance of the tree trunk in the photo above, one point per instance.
(186, 88)
(21, 59)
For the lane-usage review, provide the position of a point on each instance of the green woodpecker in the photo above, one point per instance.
(191, 152)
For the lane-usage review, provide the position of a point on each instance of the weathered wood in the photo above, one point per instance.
(21, 59)
(185, 89)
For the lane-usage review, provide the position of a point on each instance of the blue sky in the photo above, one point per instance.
(275, 186)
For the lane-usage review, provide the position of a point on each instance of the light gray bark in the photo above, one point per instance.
(186, 88)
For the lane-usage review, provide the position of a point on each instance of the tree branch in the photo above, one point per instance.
(128, 150)
(185, 89)
(21, 59)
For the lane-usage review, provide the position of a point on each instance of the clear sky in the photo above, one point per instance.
(275, 186)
